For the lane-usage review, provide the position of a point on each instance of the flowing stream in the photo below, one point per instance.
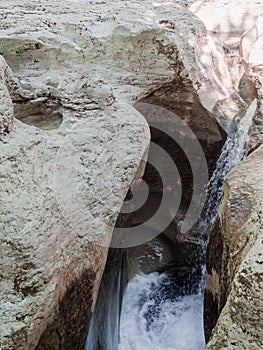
(231, 154)
(164, 311)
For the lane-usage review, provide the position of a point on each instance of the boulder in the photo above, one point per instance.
(136, 47)
(61, 192)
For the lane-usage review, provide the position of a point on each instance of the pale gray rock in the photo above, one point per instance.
(60, 196)
(228, 20)
(235, 24)
(251, 48)
(62, 189)
(136, 47)
(234, 264)
(6, 107)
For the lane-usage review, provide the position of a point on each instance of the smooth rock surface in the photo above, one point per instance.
(228, 20)
(251, 48)
(238, 27)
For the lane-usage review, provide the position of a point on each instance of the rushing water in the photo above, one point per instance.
(231, 154)
(165, 311)
(159, 309)
(104, 326)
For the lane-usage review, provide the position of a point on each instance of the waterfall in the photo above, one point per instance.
(104, 324)
(165, 311)
(231, 154)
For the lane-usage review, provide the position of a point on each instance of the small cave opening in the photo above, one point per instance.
(43, 113)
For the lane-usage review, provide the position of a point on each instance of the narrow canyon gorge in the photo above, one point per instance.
(131, 175)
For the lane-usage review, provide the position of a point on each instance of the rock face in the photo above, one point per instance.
(227, 20)
(136, 51)
(76, 63)
(233, 297)
(238, 26)
(234, 262)
(50, 264)
(253, 43)
(6, 107)
(75, 68)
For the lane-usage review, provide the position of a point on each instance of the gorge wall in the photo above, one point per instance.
(71, 69)
(52, 222)
(234, 261)
(72, 144)
(233, 299)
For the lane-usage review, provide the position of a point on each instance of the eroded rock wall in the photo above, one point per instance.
(53, 218)
(238, 26)
(135, 46)
(234, 262)
(6, 107)
(61, 190)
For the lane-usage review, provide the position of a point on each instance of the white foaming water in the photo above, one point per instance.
(150, 323)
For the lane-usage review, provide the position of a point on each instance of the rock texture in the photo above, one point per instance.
(234, 262)
(233, 297)
(237, 25)
(136, 47)
(6, 107)
(50, 265)
(252, 42)
(83, 64)
(61, 189)
(228, 20)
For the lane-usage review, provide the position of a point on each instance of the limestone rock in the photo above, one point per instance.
(136, 51)
(56, 208)
(251, 46)
(228, 20)
(6, 107)
(61, 190)
(52, 214)
(236, 25)
(234, 261)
